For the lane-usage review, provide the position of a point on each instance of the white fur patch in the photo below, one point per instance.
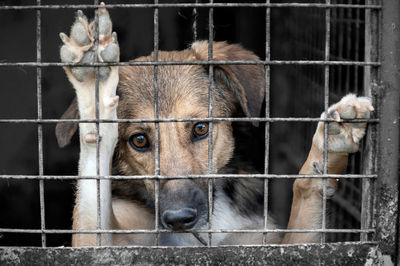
(226, 217)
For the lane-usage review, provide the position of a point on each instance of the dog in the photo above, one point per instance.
(127, 92)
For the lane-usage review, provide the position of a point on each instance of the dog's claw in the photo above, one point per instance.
(105, 24)
(114, 37)
(64, 38)
(80, 14)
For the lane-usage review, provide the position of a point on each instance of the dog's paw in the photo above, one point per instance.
(79, 46)
(344, 137)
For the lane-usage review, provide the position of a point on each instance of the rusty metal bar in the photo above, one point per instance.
(156, 125)
(357, 44)
(97, 110)
(211, 125)
(39, 115)
(184, 63)
(326, 106)
(347, 49)
(206, 176)
(267, 113)
(209, 231)
(194, 25)
(189, 119)
(198, 5)
(371, 77)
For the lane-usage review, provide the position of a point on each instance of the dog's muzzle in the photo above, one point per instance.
(182, 205)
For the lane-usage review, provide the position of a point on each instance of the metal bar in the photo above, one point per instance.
(194, 26)
(157, 209)
(233, 231)
(340, 49)
(96, 82)
(387, 187)
(210, 114)
(156, 125)
(357, 53)
(326, 106)
(189, 119)
(197, 5)
(370, 77)
(184, 63)
(267, 114)
(39, 115)
(205, 176)
(349, 44)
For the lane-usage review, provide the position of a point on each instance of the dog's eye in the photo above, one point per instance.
(139, 142)
(200, 131)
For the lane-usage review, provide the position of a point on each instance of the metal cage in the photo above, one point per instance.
(336, 47)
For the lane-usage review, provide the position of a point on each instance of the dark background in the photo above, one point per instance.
(296, 91)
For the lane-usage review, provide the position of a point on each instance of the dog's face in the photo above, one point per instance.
(183, 92)
(183, 146)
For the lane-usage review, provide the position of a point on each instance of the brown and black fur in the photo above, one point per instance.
(183, 92)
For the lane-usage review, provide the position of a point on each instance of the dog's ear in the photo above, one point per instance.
(64, 130)
(246, 81)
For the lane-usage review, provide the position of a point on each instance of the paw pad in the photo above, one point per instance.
(79, 32)
(79, 47)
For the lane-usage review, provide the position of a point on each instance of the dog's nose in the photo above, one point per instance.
(180, 219)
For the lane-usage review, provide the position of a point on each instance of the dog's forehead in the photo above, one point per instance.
(179, 88)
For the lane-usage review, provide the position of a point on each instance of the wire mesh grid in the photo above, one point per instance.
(330, 53)
(346, 44)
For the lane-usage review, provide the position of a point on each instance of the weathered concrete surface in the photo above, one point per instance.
(312, 254)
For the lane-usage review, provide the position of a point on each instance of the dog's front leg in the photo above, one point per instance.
(80, 47)
(343, 138)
